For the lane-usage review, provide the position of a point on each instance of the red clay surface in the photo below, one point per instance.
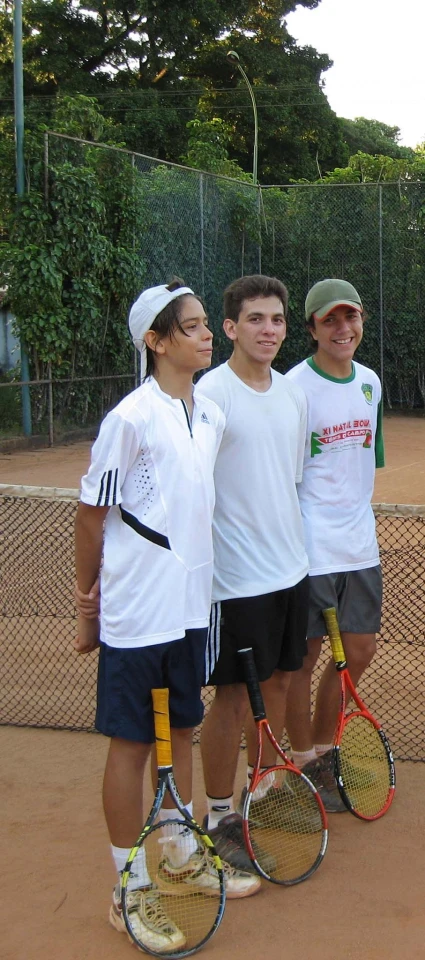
(364, 903)
(402, 480)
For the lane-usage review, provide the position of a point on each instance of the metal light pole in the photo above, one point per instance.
(234, 58)
(18, 74)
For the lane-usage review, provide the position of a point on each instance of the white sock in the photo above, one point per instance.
(219, 807)
(179, 841)
(265, 784)
(322, 748)
(301, 757)
(139, 874)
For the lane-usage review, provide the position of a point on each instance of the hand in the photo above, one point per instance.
(87, 638)
(88, 604)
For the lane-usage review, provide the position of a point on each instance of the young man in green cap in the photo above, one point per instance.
(344, 444)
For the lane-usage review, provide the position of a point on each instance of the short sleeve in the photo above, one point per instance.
(379, 438)
(302, 434)
(113, 453)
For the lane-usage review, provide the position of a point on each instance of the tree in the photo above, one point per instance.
(156, 64)
(373, 137)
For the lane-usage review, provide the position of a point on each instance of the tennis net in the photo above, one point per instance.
(44, 683)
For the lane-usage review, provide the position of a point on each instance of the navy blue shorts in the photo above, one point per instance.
(126, 677)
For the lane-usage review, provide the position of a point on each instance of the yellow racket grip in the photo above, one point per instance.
(161, 718)
(334, 635)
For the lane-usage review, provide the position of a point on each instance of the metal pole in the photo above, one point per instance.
(18, 78)
(46, 167)
(254, 107)
(381, 291)
(234, 58)
(50, 405)
(201, 215)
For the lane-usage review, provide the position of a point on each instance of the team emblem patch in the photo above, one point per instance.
(367, 391)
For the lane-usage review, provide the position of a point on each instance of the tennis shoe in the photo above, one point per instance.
(321, 775)
(229, 843)
(200, 876)
(352, 774)
(279, 806)
(147, 918)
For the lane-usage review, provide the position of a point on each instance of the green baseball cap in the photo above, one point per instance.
(328, 294)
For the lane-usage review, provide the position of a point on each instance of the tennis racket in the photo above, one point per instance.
(363, 762)
(284, 821)
(184, 905)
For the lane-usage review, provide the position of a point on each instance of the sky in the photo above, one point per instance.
(377, 47)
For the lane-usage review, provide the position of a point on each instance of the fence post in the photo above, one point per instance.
(46, 167)
(50, 404)
(18, 81)
(201, 214)
(381, 289)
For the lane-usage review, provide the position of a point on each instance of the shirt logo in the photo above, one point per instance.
(367, 392)
(204, 418)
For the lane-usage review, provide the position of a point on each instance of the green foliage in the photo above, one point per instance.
(207, 148)
(374, 138)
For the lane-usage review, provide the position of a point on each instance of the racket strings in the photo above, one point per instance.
(184, 905)
(285, 828)
(364, 767)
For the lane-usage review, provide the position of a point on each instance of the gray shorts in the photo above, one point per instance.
(356, 596)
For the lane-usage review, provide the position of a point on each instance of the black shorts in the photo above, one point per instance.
(273, 624)
(127, 676)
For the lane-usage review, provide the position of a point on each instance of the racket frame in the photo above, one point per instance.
(263, 728)
(347, 686)
(166, 783)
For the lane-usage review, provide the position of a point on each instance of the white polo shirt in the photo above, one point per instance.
(343, 445)
(154, 469)
(257, 527)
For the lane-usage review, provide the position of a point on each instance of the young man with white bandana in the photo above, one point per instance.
(344, 444)
(147, 503)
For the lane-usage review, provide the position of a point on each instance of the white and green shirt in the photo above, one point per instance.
(344, 444)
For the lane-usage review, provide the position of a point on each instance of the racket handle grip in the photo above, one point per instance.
(161, 718)
(251, 680)
(334, 635)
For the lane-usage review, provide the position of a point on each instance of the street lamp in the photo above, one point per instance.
(234, 58)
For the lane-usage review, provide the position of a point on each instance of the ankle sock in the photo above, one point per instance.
(301, 757)
(139, 874)
(219, 807)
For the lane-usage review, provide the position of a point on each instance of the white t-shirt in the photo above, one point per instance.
(344, 439)
(257, 526)
(155, 471)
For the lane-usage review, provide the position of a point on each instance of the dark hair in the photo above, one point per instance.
(247, 288)
(167, 322)
(311, 325)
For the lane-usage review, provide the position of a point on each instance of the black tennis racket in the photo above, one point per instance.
(363, 762)
(284, 820)
(183, 906)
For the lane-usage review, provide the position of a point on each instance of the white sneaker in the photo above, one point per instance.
(152, 928)
(200, 876)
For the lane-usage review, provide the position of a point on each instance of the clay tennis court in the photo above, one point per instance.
(364, 903)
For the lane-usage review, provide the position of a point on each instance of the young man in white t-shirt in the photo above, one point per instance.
(147, 502)
(343, 445)
(260, 584)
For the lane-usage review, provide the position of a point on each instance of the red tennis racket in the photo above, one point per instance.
(284, 821)
(363, 762)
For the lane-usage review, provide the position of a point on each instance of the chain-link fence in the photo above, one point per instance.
(45, 684)
(210, 229)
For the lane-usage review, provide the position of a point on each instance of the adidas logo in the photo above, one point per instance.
(204, 418)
